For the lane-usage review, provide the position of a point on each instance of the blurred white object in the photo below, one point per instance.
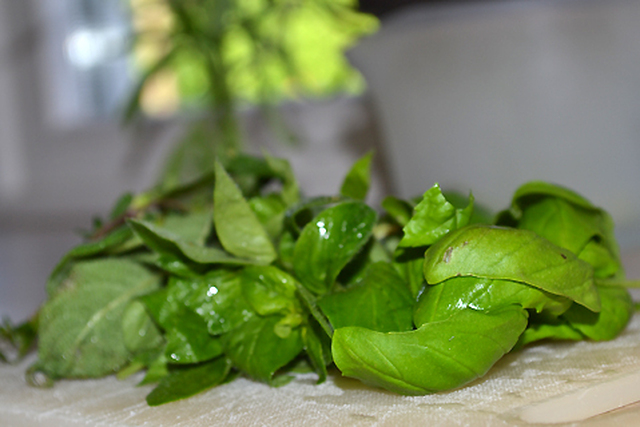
(488, 96)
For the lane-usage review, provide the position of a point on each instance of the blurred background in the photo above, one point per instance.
(96, 95)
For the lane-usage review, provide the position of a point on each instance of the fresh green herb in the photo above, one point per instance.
(237, 274)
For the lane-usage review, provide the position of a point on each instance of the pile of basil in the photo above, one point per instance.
(237, 274)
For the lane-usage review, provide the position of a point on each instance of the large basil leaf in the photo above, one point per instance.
(356, 183)
(441, 301)
(188, 340)
(437, 356)
(329, 242)
(434, 217)
(256, 349)
(80, 327)
(189, 380)
(380, 302)
(237, 226)
(515, 255)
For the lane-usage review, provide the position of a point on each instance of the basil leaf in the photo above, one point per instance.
(111, 241)
(437, 356)
(188, 381)
(317, 345)
(188, 340)
(237, 226)
(555, 329)
(80, 332)
(400, 210)
(441, 301)
(329, 242)
(356, 183)
(282, 169)
(617, 309)
(511, 254)
(173, 247)
(270, 290)
(140, 334)
(256, 349)
(434, 217)
(270, 211)
(380, 302)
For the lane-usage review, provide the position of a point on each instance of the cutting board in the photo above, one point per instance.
(567, 383)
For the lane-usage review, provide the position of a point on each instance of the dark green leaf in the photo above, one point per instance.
(380, 302)
(329, 242)
(188, 340)
(188, 381)
(256, 349)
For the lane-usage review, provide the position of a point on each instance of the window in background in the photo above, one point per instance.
(88, 71)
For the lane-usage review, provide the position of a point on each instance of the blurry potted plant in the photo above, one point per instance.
(219, 56)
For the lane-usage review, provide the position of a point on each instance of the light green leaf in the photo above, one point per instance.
(434, 217)
(435, 357)
(515, 255)
(237, 226)
(356, 183)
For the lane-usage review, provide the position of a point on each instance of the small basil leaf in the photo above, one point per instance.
(256, 349)
(434, 217)
(437, 356)
(356, 183)
(282, 169)
(140, 333)
(188, 340)
(188, 381)
(269, 290)
(380, 302)
(237, 226)
(511, 254)
(329, 242)
(400, 210)
(617, 308)
(318, 348)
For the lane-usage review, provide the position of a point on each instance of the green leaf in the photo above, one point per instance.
(356, 183)
(80, 333)
(189, 380)
(173, 247)
(515, 255)
(237, 226)
(317, 345)
(434, 217)
(188, 340)
(329, 242)
(556, 329)
(20, 338)
(380, 302)
(110, 242)
(617, 309)
(256, 349)
(400, 210)
(439, 302)
(270, 290)
(270, 210)
(282, 169)
(435, 357)
(139, 332)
